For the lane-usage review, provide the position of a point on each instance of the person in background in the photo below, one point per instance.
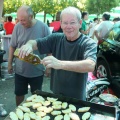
(9, 25)
(114, 34)
(84, 28)
(102, 30)
(16, 20)
(93, 24)
(56, 24)
(4, 20)
(48, 23)
(73, 55)
(25, 73)
(116, 19)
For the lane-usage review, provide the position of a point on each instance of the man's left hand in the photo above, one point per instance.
(51, 62)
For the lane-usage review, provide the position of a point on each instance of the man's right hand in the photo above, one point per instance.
(10, 69)
(25, 50)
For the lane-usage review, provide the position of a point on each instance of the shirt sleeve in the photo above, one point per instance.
(47, 30)
(90, 50)
(13, 41)
(99, 27)
(44, 44)
(83, 27)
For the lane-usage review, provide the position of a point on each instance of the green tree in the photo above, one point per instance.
(11, 6)
(81, 4)
(48, 6)
(100, 6)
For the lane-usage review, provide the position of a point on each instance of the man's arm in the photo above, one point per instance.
(79, 66)
(86, 32)
(11, 54)
(82, 66)
(96, 34)
(10, 59)
(98, 30)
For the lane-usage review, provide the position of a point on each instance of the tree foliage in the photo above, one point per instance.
(100, 6)
(48, 6)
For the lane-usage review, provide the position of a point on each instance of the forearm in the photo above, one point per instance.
(96, 34)
(78, 66)
(33, 44)
(11, 55)
(84, 32)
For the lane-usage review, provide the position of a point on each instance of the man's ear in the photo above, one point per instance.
(80, 22)
(30, 17)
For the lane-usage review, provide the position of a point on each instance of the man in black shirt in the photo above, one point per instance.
(73, 55)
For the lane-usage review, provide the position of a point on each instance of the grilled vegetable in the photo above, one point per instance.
(41, 114)
(48, 109)
(58, 117)
(66, 117)
(74, 116)
(13, 116)
(33, 115)
(46, 118)
(19, 113)
(67, 111)
(57, 107)
(64, 105)
(26, 116)
(57, 103)
(29, 99)
(86, 115)
(28, 104)
(72, 107)
(83, 109)
(36, 105)
(56, 112)
(52, 99)
(24, 109)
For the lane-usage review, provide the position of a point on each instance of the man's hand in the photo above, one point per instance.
(25, 50)
(51, 62)
(10, 69)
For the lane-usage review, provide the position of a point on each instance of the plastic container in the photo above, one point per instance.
(2, 52)
(6, 43)
(4, 71)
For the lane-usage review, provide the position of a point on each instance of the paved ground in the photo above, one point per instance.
(7, 96)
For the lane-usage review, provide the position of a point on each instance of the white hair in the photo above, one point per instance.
(71, 10)
(26, 8)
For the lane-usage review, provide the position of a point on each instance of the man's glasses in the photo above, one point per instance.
(71, 23)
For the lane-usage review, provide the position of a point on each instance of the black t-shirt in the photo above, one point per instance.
(68, 83)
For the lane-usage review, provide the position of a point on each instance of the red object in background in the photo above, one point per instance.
(9, 26)
(91, 76)
(100, 41)
(109, 90)
(56, 25)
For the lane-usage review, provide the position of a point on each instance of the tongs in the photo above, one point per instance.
(31, 58)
